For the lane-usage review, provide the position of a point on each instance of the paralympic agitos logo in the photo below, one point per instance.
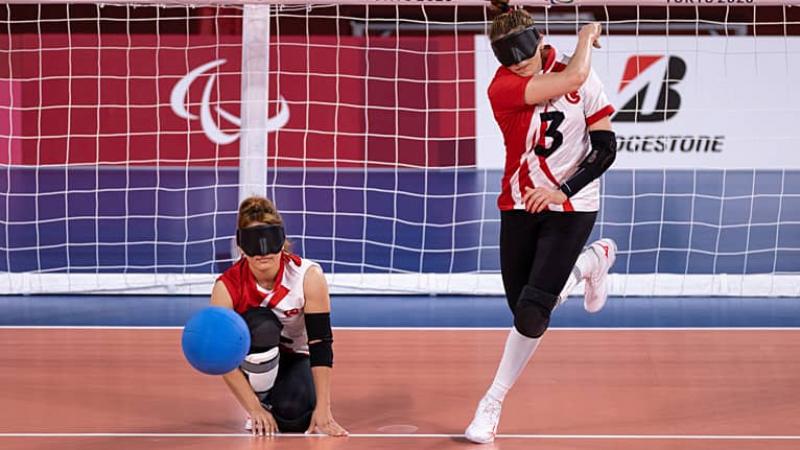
(648, 83)
(178, 102)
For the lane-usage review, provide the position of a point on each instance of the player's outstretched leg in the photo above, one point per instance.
(595, 294)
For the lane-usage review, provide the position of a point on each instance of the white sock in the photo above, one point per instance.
(517, 353)
(583, 268)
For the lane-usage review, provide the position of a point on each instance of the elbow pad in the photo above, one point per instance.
(320, 339)
(604, 151)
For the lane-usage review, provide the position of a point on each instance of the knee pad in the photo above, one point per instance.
(295, 425)
(292, 404)
(292, 410)
(260, 366)
(532, 313)
(261, 369)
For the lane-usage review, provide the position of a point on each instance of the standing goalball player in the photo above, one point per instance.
(554, 116)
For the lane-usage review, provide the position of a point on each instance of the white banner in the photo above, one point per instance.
(683, 102)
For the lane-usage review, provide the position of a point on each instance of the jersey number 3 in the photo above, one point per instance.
(553, 120)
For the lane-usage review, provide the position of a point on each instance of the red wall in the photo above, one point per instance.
(136, 125)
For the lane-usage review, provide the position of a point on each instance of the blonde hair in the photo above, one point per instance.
(260, 210)
(508, 21)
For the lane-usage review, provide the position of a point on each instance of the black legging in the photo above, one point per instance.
(292, 398)
(540, 249)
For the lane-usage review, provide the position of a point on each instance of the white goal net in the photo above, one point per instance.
(130, 130)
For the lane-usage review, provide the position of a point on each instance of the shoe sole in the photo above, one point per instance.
(476, 440)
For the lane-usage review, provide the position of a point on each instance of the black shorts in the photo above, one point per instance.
(540, 249)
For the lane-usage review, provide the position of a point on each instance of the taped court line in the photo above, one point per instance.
(554, 329)
(709, 437)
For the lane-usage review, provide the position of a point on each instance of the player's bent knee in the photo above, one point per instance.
(260, 366)
(265, 329)
(261, 369)
(532, 314)
(290, 410)
(296, 424)
(293, 404)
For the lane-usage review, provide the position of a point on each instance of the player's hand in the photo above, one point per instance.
(322, 420)
(263, 422)
(537, 199)
(591, 32)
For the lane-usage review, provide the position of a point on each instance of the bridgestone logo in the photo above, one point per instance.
(669, 100)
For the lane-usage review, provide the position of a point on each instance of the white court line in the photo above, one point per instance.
(708, 437)
(134, 327)
(571, 328)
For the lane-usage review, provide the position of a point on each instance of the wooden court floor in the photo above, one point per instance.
(123, 388)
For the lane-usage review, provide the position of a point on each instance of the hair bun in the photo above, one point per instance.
(502, 5)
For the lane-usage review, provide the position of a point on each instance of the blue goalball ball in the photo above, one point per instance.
(215, 340)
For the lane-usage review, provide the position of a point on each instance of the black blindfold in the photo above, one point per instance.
(261, 240)
(517, 46)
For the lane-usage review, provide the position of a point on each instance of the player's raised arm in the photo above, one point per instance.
(519, 47)
(541, 88)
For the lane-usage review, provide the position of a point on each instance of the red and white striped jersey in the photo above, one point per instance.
(546, 142)
(286, 299)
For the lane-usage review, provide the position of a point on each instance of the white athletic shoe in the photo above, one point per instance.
(484, 425)
(596, 290)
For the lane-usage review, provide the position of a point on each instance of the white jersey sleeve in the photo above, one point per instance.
(595, 102)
